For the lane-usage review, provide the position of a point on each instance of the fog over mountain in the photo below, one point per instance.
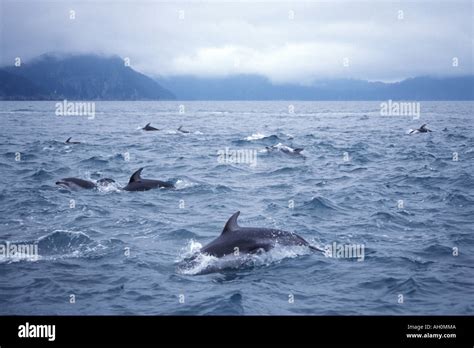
(94, 77)
(286, 42)
(255, 87)
(88, 77)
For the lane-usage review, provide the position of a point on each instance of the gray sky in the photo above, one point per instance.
(287, 41)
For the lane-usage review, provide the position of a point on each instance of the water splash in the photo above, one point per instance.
(193, 262)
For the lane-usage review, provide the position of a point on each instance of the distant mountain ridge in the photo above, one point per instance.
(94, 77)
(78, 77)
(255, 87)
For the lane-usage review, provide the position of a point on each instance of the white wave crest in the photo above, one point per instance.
(255, 136)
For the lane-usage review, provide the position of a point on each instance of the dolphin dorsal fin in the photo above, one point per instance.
(147, 124)
(136, 176)
(180, 127)
(231, 224)
(68, 139)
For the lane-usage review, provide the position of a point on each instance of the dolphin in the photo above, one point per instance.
(74, 183)
(422, 129)
(136, 183)
(290, 151)
(149, 128)
(180, 129)
(68, 141)
(285, 149)
(250, 240)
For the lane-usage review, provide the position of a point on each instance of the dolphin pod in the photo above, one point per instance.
(233, 238)
(136, 183)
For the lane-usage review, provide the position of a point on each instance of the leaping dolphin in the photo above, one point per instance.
(150, 128)
(422, 129)
(251, 239)
(136, 183)
(180, 129)
(68, 141)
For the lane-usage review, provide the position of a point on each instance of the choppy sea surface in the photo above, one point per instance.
(360, 180)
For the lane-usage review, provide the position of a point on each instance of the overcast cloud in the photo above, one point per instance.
(285, 41)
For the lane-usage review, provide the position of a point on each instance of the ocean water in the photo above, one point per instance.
(361, 180)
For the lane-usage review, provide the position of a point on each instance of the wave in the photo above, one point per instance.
(354, 170)
(95, 161)
(321, 204)
(463, 180)
(459, 199)
(180, 234)
(324, 145)
(456, 137)
(255, 136)
(5, 166)
(382, 217)
(42, 174)
(61, 244)
(427, 181)
(284, 170)
(408, 286)
(20, 110)
(437, 250)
